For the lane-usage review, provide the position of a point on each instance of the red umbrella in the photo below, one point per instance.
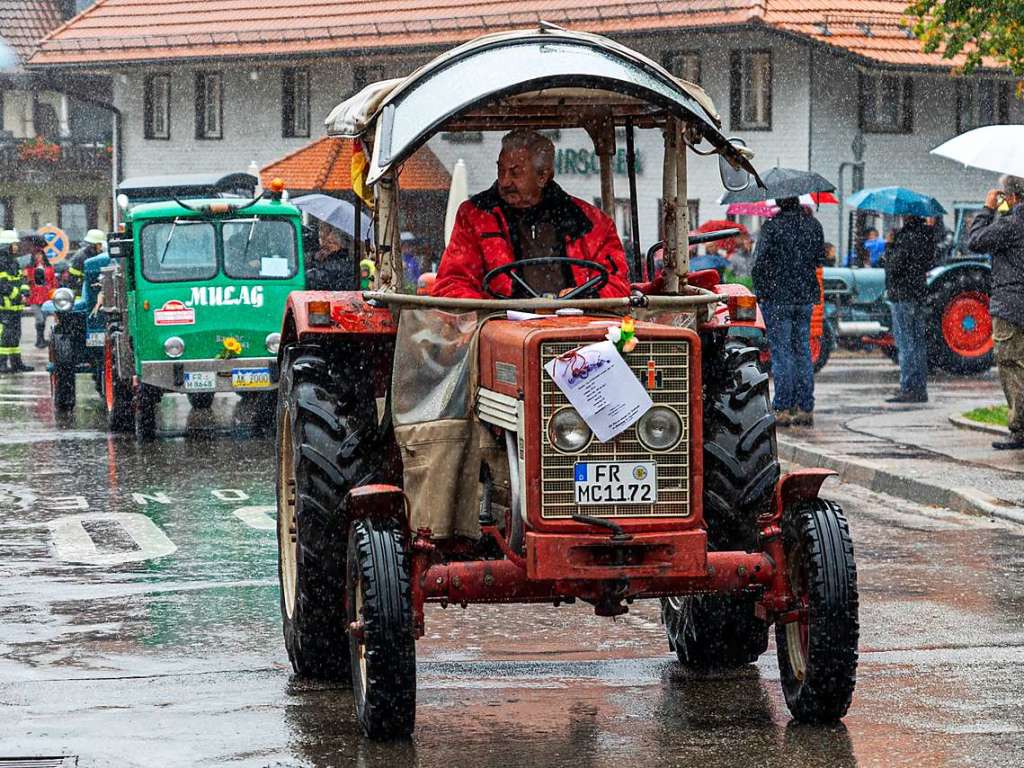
(714, 225)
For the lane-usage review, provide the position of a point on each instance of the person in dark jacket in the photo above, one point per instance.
(907, 259)
(331, 267)
(93, 244)
(1003, 238)
(789, 251)
(13, 292)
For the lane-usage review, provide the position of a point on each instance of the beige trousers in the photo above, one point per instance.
(1009, 353)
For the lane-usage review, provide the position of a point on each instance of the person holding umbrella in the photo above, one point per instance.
(906, 261)
(789, 251)
(331, 267)
(1003, 238)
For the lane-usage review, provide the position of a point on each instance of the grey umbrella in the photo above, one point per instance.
(780, 183)
(337, 213)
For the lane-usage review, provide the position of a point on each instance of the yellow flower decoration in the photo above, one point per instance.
(232, 348)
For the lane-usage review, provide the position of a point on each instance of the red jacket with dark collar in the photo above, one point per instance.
(481, 241)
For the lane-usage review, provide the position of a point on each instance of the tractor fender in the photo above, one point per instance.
(798, 485)
(350, 315)
(378, 501)
(721, 319)
(941, 272)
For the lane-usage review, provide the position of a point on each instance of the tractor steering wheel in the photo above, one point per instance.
(593, 285)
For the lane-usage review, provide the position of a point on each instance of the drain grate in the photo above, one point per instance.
(63, 761)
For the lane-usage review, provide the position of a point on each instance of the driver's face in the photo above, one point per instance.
(520, 184)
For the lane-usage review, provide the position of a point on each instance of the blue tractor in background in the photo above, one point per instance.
(960, 331)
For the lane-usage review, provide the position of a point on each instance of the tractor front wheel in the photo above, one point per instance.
(147, 399)
(62, 373)
(200, 400)
(382, 638)
(117, 395)
(818, 649)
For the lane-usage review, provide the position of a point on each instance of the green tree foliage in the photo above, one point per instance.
(975, 28)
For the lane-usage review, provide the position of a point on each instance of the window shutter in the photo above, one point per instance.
(147, 107)
(287, 102)
(735, 89)
(959, 107)
(1004, 102)
(769, 78)
(908, 105)
(861, 102)
(200, 103)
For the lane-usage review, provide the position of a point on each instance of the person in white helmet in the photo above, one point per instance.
(93, 244)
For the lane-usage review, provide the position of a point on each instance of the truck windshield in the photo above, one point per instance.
(179, 250)
(256, 248)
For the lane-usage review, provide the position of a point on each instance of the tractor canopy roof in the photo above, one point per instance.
(221, 208)
(143, 189)
(543, 78)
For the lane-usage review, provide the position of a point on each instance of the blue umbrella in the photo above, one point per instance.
(895, 201)
(338, 213)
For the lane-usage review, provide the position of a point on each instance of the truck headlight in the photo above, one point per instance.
(660, 428)
(63, 299)
(273, 342)
(174, 346)
(568, 432)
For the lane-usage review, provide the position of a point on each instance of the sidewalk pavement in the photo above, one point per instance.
(912, 452)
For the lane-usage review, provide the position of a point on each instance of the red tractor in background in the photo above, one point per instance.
(689, 506)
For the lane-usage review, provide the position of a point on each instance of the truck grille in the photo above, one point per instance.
(672, 360)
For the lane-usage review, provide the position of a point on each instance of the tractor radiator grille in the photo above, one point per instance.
(672, 363)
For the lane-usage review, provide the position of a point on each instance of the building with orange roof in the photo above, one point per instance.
(836, 86)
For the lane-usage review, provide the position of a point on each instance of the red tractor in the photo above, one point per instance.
(686, 506)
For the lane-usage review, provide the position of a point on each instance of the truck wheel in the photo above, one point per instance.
(821, 348)
(818, 651)
(714, 631)
(381, 635)
(117, 395)
(961, 327)
(326, 430)
(200, 400)
(741, 464)
(147, 399)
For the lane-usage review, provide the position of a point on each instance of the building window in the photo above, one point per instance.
(156, 108)
(295, 102)
(886, 103)
(209, 105)
(6, 213)
(750, 93)
(76, 216)
(982, 102)
(684, 64)
(363, 76)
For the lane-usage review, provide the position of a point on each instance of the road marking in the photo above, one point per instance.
(145, 498)
(65, 503)
(259, 517)
(74, 544)
(230, 494)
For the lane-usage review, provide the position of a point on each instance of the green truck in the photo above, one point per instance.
(192, 300)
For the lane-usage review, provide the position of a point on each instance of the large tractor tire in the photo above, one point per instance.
(62, 373)
(709, 632)
(741, 467)
(818, 651)
(382, 637)
(960, 329)
(200, 401)
(741, 463)
(118, 396)
(326, 446)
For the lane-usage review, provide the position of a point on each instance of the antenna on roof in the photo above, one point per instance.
(547, 26)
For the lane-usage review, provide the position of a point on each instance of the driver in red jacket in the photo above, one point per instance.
(526, 215)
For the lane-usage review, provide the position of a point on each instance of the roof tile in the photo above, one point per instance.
(23, 23)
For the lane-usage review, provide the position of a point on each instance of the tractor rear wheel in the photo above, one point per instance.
(818, 651)
(117, 395)
(200, 400)
(961, 328)
(741, 463)
(382, 638)
(714, 631)
(326, 446)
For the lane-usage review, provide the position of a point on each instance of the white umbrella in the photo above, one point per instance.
(338, 213)
(458, 193)
(998, 148)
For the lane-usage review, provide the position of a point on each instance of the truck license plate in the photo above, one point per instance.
(95, 338)
(200, 381)
(616, 483)
(250, 378)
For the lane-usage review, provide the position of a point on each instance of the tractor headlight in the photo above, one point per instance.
(568, 432)
(273, 342)
(174, 346)
(63, 299)
(660, 428)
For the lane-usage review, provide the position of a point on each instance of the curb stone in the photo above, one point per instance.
(977, 426)
(967, 500)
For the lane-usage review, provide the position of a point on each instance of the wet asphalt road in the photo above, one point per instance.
(164, 647)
